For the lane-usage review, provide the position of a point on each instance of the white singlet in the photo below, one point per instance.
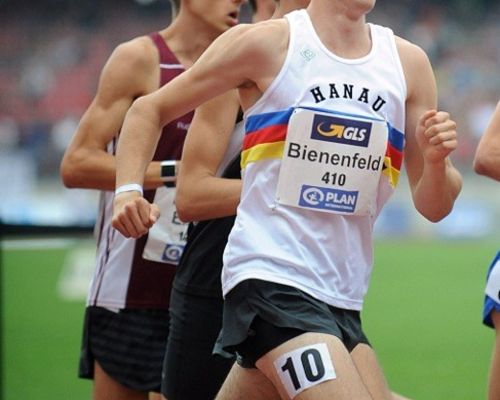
(314, 236)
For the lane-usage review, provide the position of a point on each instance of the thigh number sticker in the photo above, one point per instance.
(305, 367)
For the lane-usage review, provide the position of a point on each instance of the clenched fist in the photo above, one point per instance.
(436, 135)
(133, 215)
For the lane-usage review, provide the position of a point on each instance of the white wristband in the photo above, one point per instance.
(130, 187)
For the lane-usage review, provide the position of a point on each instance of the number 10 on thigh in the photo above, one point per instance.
(304, 367)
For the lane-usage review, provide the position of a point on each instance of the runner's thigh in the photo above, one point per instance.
(313, 366)
(369, 369)
(247, 384)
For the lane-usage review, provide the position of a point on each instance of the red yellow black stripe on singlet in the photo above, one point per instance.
(266, 133)
(265, 136)
(394, 156)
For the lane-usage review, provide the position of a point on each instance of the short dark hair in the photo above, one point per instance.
(253, 4)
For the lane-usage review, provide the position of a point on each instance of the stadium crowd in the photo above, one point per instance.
(52, 53)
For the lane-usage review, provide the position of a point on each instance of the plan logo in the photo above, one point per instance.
(328, 199)
(341, 130)
(313, 196)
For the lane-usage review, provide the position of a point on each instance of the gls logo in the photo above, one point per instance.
(341, 130)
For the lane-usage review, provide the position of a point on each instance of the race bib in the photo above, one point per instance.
(167, 237)
(332, 162)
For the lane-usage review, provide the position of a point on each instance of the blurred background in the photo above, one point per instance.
(51, 54)
(53, 50)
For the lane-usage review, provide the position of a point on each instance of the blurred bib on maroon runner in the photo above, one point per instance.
(167, 237)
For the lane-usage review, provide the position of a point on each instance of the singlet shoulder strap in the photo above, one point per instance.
(166, 55)
(169, 64)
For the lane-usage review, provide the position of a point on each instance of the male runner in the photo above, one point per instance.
(126, 323)
(487, 163)
(330, 103)
(196, 299)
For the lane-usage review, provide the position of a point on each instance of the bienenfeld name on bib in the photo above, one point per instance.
(296, 150)
(337, 130)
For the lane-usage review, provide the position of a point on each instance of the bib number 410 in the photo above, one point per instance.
(334, 179)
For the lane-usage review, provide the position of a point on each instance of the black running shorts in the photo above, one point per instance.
(261, 315)
(191, 371)
(129, 346)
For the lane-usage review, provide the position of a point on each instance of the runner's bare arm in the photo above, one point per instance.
(131, 71)
(238, 58)
(430, 137)
(200, 193)
(487, 158)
